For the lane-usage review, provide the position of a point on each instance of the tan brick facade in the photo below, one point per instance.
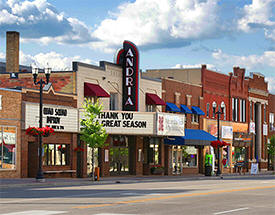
(10, 115)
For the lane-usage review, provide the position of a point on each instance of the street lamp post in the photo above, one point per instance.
(218, 113)
(41, 82)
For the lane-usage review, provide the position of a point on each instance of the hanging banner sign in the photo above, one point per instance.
(252, 127)
(265, 129)
(170, 124)
(130, 76)
(60, 118)
(227, 132)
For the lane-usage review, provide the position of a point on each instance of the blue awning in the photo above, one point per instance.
(185, 109)
(172, 107)
(197, 110)
(193, 137)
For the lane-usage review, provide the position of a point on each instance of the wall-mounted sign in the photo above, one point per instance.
(240, 127)
(212, 129)
(227, 132)
(252, 127)
(128, 58)
(241, 139)
(60, 118)
(170, 124)
(265, 129)
(126, 122)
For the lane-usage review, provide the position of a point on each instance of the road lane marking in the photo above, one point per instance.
(35, 212)
(173, 197)
(234, 210)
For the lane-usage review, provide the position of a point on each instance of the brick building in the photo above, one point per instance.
(135, 141)
(258, 118)
(10, 136)
(271, 125)
(189, 158)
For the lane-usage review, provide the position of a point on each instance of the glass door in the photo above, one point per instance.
(119, 156)
(177, 159)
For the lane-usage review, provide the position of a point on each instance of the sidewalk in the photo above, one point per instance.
(29, 182)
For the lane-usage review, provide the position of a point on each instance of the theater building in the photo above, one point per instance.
(135, 141)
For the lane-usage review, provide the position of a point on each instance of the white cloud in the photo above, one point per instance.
(249, 62)
(159, 23)
(55, 60)
(2, 56)
(39, 21)
(271, 84)
(259, 15)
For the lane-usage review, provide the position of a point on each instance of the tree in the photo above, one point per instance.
(92, 132)
(271, 150)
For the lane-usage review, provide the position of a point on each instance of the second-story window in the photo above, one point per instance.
(214, 106)
(150, 108)
(224, 110)
(243, 111)
(195, 118)
(207, 109)
(264, 113)
(271, 121)
(113, 101)
(251, 111)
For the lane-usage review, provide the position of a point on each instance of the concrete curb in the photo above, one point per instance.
(15, 183)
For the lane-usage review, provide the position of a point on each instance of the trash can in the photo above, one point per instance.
(208, 170)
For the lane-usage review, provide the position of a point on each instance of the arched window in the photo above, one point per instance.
(214, 106)
(207, 109)
(224, 110)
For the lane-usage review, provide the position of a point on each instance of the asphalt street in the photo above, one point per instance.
(250, 195)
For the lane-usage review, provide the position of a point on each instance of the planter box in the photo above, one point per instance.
(157, 171)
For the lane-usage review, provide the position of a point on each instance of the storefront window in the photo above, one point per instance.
(189, 156)
(239, 154)
(56, 154)
(8, 147)
(150, 108)
(89, 159)
(154, 151)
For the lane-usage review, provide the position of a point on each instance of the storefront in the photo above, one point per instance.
(10, 132)
(187, 151)
(135, 142)
(226, 135)
(60, 113)
(242, 140)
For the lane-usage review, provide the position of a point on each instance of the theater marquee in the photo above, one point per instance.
(126, 122)
(60, 118)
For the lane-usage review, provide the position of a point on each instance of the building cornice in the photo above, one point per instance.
(262, 101)
(258, 92)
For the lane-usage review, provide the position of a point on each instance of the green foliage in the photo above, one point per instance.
(92, 132)
(271, 146)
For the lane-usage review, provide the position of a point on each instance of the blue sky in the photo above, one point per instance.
(168, 33)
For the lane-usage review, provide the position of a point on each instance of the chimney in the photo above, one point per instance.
(12, 52)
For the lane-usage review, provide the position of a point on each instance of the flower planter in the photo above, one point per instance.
(35, 131)
(157, 170)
